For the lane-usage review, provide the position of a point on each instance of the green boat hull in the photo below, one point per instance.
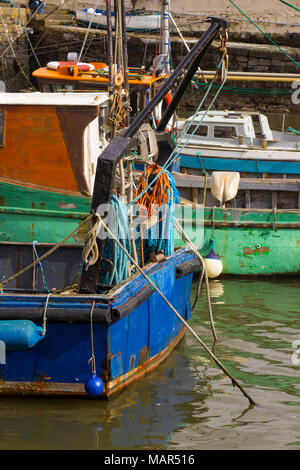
(249, 242)
(28, 215)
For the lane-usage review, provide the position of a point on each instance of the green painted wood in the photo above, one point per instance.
(30, 214)
(251, 251)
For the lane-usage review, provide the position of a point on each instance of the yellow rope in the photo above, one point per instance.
(90, 252)
(45, 314)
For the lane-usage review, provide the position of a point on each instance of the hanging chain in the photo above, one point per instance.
(222, 71)
(118, 113)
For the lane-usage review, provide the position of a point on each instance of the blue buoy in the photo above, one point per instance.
(94, 386)
(20, 334)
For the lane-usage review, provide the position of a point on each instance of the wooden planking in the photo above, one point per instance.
(35, 150)
(192, 181)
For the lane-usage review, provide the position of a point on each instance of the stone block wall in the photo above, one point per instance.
(14, 69)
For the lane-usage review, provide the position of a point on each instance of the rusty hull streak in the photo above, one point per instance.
(44, 388)
(262, 249)
(144, 355)
(63, 205)
(118, 384)
(41, 388)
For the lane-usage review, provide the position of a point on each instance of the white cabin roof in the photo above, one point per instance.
(228, 117)
(56, 99)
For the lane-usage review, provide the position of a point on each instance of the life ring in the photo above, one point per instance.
(82, 66)
(157, 112)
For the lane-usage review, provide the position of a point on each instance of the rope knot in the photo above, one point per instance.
(90, 253)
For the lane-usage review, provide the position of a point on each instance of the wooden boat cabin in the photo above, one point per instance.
(93, 77)
(52, 140)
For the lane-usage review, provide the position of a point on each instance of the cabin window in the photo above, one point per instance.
(2, 128)
(225, 132)
(57, 87)
(201, 131)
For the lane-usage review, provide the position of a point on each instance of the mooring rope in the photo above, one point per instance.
(192, 247)
(92, 359)
(289, 5)
(90, 252)
(86, 34)
(265, 34)
(45, 313)
(216, 360)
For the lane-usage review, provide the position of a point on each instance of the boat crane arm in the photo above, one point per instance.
(191, 60)
(117, 148)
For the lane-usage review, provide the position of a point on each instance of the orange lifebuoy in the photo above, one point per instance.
(82, 66)
(157, 112)
(167, 99)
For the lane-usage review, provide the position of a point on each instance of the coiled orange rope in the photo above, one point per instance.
(156, 196)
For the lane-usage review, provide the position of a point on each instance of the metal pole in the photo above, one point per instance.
(180, 91)
(125, 53)
(109, 47)
(165, 34)
(185, 43)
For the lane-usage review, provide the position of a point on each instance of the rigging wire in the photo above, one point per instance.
(289, 5)
(14, 53)
(180, 144)
(265, 34)
(86, 35)
(29, 20)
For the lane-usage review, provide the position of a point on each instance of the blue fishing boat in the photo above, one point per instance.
(48, 340)
(128, 308)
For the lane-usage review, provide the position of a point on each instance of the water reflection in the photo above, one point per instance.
(188, 402)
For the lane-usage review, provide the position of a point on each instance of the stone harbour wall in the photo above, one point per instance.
(14, 67)
(53, 38)
(266, 96)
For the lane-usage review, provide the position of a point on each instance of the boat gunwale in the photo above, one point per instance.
(111, 306)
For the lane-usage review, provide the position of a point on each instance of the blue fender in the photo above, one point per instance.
(20, 334)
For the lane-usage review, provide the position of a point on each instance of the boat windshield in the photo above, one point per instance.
(225, 132)
(60, 88)
(201, 131)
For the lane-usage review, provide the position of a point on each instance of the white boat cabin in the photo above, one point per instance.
(235, 129)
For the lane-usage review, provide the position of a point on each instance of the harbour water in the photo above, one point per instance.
(188, 403)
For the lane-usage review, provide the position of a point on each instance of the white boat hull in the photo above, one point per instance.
(133, 22)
